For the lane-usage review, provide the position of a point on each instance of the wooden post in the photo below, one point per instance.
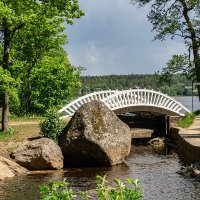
(168, 125)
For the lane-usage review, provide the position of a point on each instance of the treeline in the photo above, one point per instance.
(178, 85)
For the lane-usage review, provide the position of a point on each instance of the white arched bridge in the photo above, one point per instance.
(134, 100)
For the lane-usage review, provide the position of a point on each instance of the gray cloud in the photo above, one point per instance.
(114, 37)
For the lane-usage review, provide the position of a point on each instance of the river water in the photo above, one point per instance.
(156, 169)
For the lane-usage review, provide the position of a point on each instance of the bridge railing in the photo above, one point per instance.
(120, 99)
(71, 108)
(143, 97)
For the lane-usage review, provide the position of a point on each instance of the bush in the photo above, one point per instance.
(197, 112)
(52, 126)
(187, 120)
(120, 191)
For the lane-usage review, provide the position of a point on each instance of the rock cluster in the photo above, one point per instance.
(191, 171)
(40, 154)
(95, 136)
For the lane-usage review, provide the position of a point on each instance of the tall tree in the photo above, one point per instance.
(17, 15)
(40, 39)
(53, 81)
(177, 18)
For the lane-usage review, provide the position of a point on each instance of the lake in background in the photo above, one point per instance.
(187, 102)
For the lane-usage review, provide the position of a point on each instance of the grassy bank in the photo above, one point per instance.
(188, 119)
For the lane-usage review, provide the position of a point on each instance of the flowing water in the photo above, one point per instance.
(156, 169)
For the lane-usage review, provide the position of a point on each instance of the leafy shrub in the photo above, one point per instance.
(197, 112)
(120, 191)
(56, 191)
(187, 120)
(52, 126)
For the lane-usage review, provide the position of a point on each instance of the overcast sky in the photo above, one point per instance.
(114, 37)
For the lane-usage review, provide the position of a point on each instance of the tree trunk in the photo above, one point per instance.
(6, 45)
(5, 112)
(194, 40)
(195, 48)
(197, 70)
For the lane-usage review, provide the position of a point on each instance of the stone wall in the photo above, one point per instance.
(188, 152)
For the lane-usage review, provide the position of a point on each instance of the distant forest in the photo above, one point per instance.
(178, 85)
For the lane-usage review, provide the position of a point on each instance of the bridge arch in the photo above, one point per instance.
(134, 100)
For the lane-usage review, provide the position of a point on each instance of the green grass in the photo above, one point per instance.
(188, 119)
(19, 132)
(7, 134)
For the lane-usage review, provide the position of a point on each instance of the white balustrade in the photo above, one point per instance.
(115, 99)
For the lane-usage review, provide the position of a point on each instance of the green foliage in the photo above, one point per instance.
(32, 31)
(177, 64)
(168, 18)
(120, 191)
(6, 134)
(56, 191)
(7, 83)
(61, 190)
(178, 18)
(176, 86)
(52, 126)
(53, 81)
(187, 120)
(197, 112)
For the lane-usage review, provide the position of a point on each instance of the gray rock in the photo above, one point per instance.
(196, 173)
(40, 154)
(9, 168)
(196, 165)
(95, 136)
(189, 171)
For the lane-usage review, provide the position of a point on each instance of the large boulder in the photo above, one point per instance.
(39, 154)
(95, 136)
(9, 168)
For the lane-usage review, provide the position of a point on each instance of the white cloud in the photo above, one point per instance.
(115, 37)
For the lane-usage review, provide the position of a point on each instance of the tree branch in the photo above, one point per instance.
(16, 28)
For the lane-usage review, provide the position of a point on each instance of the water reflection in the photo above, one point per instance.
(155, 169)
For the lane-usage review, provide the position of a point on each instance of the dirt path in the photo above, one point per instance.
(17, 123)
(192, 133)
(196, 124)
